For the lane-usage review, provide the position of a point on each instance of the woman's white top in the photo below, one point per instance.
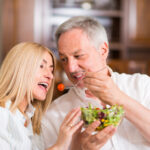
(13, 134)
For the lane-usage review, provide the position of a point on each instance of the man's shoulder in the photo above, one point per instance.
(134, 85)
(130, 77)
(64, 98)
(63, 103)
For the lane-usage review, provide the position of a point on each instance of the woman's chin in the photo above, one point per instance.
(41, 98)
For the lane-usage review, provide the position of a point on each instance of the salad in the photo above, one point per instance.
(107, 116)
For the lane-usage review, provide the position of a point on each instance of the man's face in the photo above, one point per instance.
(78, 54)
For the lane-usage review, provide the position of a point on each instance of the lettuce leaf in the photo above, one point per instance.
(107, 116)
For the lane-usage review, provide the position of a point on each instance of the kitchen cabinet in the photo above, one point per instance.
(110, 13)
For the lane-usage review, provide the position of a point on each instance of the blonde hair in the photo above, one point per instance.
(16, 79)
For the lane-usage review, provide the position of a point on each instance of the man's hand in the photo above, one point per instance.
(103, 87)
(89, 141)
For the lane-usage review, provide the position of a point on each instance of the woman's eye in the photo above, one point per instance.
(41, 66)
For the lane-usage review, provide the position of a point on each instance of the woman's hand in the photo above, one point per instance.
(68, 129)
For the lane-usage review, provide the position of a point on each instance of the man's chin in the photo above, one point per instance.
(81, 86)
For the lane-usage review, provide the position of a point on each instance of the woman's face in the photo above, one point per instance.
(43, 77)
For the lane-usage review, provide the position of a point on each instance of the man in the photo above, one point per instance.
(83, 49)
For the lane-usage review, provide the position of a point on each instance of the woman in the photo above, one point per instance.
(26, 87)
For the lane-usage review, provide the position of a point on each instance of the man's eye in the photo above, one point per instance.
(78, 56)
(64, 59)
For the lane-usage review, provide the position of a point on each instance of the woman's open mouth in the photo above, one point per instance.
(43, 85)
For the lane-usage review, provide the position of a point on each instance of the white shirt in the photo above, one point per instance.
(13, 134)
(127, 136)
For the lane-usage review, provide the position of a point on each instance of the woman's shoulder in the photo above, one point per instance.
(5, 114)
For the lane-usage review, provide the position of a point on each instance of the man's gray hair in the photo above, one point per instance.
(94, 30)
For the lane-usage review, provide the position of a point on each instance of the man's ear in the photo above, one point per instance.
(104, 49)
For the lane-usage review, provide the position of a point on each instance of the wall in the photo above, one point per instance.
(1, 31)
(17, 22)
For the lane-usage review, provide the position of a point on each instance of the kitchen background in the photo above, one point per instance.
(127, 23)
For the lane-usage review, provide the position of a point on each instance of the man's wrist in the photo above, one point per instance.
(55, 147)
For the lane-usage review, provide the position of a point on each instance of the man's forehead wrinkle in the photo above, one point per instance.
(72, 53)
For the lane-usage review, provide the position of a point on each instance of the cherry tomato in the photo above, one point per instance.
(60, 87)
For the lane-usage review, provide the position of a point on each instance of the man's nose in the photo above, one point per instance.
(72, 65)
